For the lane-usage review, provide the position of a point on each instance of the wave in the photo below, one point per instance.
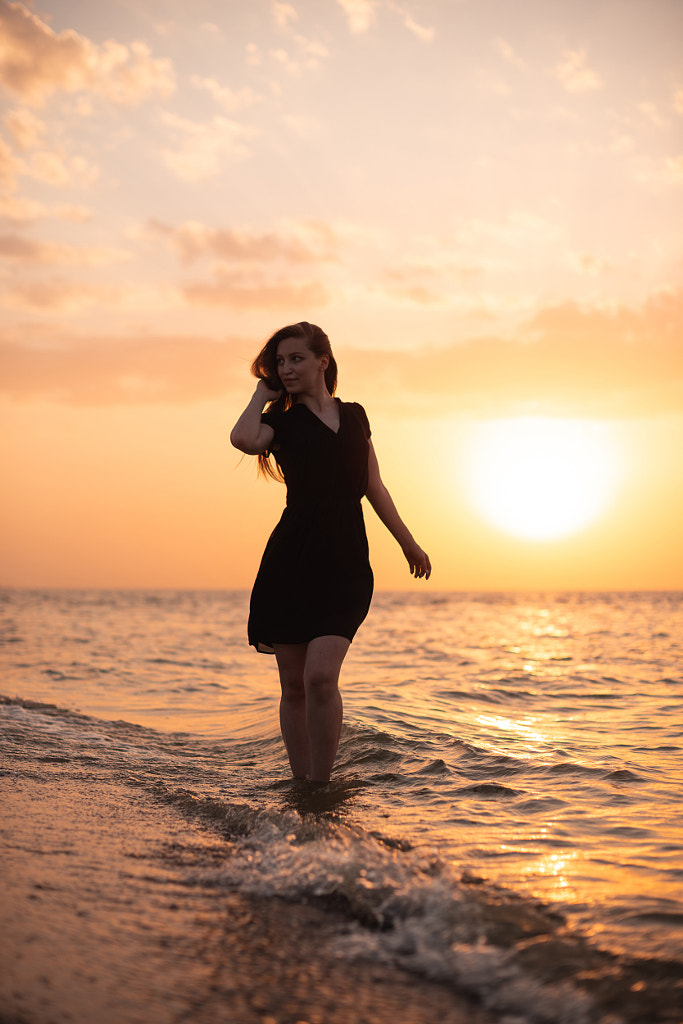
(407, 904)
(413, 909)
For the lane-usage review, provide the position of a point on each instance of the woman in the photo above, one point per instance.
(314, 585)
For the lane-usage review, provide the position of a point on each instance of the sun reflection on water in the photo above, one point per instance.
(527, 730)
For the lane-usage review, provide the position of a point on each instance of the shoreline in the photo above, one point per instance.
(97, 923)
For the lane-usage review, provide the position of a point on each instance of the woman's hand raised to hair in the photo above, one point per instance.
(266, 392)
(418, 560)
(250, 435)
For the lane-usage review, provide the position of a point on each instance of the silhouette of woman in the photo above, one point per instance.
(314, 584)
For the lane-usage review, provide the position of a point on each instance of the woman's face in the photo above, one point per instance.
(299, 369)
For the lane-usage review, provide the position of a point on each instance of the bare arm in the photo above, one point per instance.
(383, 504)
(250, 435)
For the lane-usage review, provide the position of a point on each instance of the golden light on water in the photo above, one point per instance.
(525, 730)
(541, 478)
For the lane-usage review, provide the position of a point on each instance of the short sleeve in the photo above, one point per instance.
(362, 418)
(273, 419)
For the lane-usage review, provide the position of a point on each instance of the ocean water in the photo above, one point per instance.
(506, 811)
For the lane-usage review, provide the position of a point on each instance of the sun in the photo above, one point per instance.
(541, 478)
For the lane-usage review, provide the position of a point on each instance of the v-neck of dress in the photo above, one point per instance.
(326, 425)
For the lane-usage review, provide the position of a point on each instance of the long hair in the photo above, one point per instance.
(264, 368)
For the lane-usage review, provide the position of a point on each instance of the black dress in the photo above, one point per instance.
(315, 577)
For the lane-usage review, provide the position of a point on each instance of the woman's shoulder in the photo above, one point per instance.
(353, 406)
(358, 413)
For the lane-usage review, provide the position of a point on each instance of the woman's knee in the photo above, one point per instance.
(321, 683)
(291, 661)
(293, 688)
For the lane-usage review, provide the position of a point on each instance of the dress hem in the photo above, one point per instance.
(264, 647)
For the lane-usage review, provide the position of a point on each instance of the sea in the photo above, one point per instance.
(506, 811)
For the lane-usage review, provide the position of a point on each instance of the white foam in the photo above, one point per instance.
(424, 918)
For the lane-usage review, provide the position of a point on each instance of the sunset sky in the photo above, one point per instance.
(480, 201)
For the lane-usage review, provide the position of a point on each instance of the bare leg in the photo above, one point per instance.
(291, 660)
(311, 705)
(324, 708)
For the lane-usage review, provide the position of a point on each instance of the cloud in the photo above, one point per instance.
(247, 270)
(673, 170)
(653, 114)
(25, 129)
(226, 288)
(36, 62)
(57, 295)
(434, 269)
(21, 210)
(424, 33)
(199, 151)
(360, 14)
(62, 295)
(505, 50)
(567, 361)
(311, 51)
(302, 125)
(235, 290)
(111, 370)
(306, 242)
(283, 13)
(588, 264)
(129, 74)
(518, 228)
(492, 83)
(253, 55)
(33, 253)
(227, 98)
(574, 74)
(251, 269)
(58, 170)
(447, 284)
(658, 172)
(10, 167)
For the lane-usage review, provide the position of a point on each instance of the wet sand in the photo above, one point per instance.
(98, 924)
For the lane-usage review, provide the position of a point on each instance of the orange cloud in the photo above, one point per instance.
(424, 284)
(113, 371)
(233, 289)
(57, 295)
(36, 62)
(566, 361)
(25, 128)
(574, 73)
(21, 210)
(9, 167)
(302, 243)
(425, 33)
(199, 151)
(506, 50)
(225, 97)
(283, 13)
(360, 13)
(30, 252)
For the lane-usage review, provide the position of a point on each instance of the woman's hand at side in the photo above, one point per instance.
(383, 504)
(418, 560)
